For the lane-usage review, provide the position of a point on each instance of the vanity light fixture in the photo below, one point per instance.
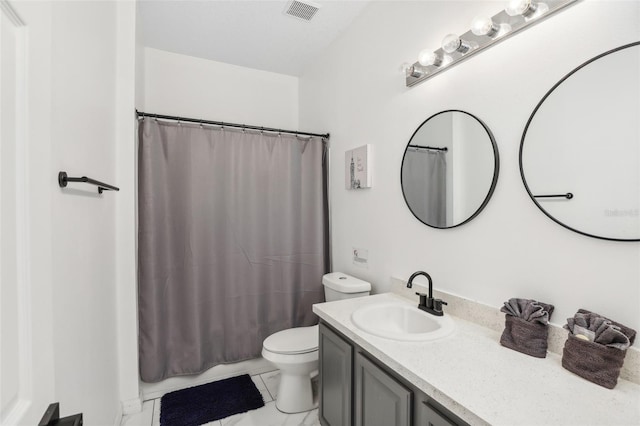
(484, 33)
(484, 26)
(452, 43)
(427, 57)
(526, 8)
(415, 70)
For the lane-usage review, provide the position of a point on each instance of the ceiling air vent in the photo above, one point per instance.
(302, 9)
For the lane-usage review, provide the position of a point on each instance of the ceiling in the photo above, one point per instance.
(249, 33)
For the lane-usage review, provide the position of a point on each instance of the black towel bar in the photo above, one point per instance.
(63, 179)
(568, 196)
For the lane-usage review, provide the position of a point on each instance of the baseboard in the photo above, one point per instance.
(119, 415)
(131, 406)
(219, 372)
(16, 414)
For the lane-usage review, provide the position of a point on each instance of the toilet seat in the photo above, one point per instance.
(293, 341)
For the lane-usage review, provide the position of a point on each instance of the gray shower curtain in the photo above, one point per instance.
(425, 185)
(232, 242)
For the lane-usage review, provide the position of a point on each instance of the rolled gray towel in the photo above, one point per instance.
(525, 328)
(613, 337)
(600, 358)
(528, 310)
(606, 332)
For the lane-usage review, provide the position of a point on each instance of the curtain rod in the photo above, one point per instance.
(445, 149)
(224, 124)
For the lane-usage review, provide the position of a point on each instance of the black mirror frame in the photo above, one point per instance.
(524, 134)
(494, 181)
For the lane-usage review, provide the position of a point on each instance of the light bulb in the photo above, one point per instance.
(520, 7)
(527, 8)
(452, 43)
(405, 67)
(428, 57)
(483, 25)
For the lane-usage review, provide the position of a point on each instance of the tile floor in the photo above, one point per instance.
(268, 415)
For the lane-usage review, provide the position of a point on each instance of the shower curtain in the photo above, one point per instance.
(232, 242)
(425, 185)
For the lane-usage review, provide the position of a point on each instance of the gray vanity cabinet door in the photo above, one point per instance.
(429, 416)
(336, 357)
(379, 399)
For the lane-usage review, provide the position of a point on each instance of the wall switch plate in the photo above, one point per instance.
(360, 257)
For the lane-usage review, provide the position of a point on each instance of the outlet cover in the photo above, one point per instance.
(361, 257)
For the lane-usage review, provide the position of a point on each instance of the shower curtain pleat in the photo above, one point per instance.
(425, 177)
(232, 242)
(437, 188)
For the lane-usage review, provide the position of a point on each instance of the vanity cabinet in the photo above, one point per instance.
(379, 398)
(335, 372)
(357, 389)
(427, 415)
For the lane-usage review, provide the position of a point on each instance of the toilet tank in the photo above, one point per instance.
(338, 286)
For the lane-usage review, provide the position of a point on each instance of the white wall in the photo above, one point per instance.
(37, 382)
(198, 88)
(356, 91)
(83, 223)
(74, 82)
(127, 82)
(10, 205)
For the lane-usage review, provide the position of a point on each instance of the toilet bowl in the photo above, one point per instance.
(295, 351)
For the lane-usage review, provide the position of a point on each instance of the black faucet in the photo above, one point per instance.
(427, 302)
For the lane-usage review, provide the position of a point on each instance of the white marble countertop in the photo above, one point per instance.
(482, 382)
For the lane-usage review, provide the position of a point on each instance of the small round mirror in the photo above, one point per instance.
(449, 169)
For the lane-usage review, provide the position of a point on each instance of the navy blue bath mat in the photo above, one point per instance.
(214, 401)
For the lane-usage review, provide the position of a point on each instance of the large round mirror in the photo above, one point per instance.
(449, 169)
(580, 151)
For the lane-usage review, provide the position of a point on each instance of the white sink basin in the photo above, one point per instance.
(401, 322)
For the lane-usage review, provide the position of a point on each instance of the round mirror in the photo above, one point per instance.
(580, 151)
(449, 169)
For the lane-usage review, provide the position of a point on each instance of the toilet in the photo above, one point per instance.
(295, 351)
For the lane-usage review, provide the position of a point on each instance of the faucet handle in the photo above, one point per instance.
(437, 304)
(423, 300)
